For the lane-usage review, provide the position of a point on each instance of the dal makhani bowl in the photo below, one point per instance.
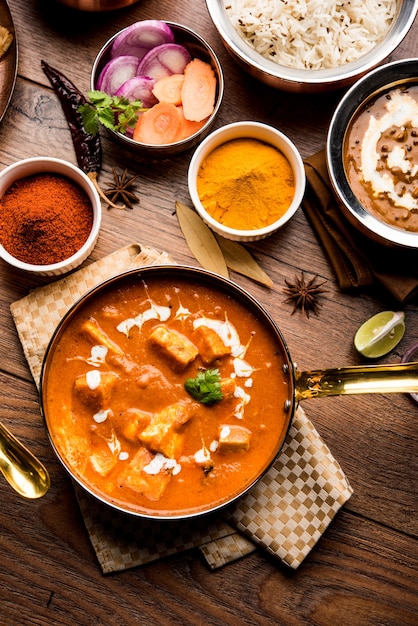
(372, 154)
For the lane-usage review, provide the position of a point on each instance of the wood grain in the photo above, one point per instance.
(363, 571)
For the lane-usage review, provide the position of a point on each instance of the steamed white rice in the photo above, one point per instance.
(311, 34)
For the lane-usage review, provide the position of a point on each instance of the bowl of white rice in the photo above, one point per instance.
(311, 45)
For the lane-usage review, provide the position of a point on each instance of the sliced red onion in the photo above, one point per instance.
(141, 37)
(164, 60)
(116, 72)
(411, 355)
(139, 88)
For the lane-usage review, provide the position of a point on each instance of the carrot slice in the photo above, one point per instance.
(168, 89)
(187, 127)
(159, 125)
(198, 91)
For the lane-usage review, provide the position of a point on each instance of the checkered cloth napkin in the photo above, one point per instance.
(285, 513)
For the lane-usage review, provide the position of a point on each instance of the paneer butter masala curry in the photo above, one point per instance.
(165, 397)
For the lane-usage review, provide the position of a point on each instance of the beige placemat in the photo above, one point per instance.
(285, 513)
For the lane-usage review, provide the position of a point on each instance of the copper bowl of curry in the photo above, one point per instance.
(372, 154)
(178, 391)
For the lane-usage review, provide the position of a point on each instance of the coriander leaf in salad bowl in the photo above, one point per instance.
(156, 86)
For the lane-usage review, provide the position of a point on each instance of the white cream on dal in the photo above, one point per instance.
(101, 416)
(182, 313)
(401, 111)
(202, 456)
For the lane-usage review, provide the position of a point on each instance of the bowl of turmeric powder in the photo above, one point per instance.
(246, 180)
(50, 216)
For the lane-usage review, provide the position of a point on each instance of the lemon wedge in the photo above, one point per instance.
(380, 334)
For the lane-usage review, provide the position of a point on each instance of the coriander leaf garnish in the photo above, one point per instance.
(114, 112)
(206, 387)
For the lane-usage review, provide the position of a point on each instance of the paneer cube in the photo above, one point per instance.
(132, 422)
(136, 477)
(175, 346)
(210, 344)
(233, 438)
(228, 387)
(164, 433)
(92, 329)
(94, 388)
(103, 461)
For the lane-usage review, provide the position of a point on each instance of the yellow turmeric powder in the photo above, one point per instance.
(246, 184)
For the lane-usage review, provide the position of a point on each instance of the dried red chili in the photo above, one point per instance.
(88, 149)
(44, 219)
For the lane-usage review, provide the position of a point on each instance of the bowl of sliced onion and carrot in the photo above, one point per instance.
(157, 87)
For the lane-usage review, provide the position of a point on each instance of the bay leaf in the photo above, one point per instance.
(241, 261)
(201, 240)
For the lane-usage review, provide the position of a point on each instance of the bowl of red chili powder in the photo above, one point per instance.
(50, 216)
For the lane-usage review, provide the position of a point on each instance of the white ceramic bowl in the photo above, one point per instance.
(45, 165)
(309, 81)
(254, 130)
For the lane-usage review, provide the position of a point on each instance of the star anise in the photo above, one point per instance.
(304, 295)
(121, 189)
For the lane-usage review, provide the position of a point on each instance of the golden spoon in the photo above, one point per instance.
(21, 468)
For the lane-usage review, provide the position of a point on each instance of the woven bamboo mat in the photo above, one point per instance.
(285, 513)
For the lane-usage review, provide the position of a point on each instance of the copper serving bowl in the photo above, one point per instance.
(294, 386)
(364, 91)
(309, 81)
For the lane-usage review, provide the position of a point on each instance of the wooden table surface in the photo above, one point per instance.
(364, 568)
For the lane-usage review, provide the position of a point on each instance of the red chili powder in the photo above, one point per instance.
(44, 219)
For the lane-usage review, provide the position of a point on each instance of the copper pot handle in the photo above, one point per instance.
(393, 378)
